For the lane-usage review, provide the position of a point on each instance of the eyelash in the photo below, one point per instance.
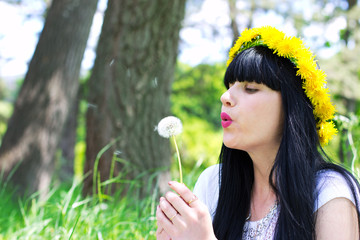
(251, 90)
(247, 89)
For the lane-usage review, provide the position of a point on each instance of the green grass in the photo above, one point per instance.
(66, 214)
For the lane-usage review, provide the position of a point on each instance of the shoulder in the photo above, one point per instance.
(337, 219)
(337, 216)
(207, 187)
(331, 185)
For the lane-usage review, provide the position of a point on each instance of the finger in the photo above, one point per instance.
(189, 197)
(164, 222)
(177, 202)
(168, 209)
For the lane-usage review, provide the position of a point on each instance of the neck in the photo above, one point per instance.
(263, 162)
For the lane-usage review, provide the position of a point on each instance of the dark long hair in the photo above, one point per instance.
(299, 158)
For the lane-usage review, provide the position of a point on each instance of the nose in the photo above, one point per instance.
(226, 99)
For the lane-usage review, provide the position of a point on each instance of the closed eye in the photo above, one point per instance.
(251, 90)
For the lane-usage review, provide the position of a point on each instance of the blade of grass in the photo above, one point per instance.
(73, 228)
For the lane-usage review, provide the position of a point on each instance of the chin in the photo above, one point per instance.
(229, 140)
(230, 144)
(234, 145)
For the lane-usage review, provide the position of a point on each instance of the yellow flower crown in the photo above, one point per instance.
(314, 79)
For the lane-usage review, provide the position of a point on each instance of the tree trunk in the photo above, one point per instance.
(47, 94)
(68, 141)
(130, 86)
(233, 11)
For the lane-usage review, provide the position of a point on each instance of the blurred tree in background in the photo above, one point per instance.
(46, 95)
(129, 89)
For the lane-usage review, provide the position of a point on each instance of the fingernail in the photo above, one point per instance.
(162, 199)
(171, 183)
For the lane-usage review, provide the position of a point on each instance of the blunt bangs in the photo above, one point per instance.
(257, 64)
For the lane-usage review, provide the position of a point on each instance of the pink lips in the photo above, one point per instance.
(225, 120)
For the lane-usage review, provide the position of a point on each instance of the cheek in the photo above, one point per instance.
(275, 118)
(270, 115)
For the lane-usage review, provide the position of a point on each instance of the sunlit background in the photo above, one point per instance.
(205, 37)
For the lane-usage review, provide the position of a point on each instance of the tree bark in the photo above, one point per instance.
(130, 86)
(46, 95)
(68, 141)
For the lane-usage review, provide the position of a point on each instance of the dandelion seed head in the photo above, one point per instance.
(169, 126)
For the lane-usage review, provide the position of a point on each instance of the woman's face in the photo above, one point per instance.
(252, 116)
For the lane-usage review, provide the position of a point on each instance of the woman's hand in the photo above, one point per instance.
(183, 216)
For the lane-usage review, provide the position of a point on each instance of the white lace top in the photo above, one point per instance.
(263, 228)
(330, 185)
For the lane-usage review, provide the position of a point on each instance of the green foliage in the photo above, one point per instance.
(3, 92)
(196, 92)
(65, 214)
(6, 109)
(343, 34)
(7, 97)
(80, 146)
(349, 140)
(344, 81)
(79, 160)
(327, 44)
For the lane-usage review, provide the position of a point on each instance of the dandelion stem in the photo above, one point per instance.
(179, 161)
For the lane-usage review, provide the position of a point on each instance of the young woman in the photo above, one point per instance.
(273, 180)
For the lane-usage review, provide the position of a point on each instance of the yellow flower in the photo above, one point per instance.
(324, 111)
(320, 96)
(271, 36)
(300, 51)
(306, 66)
(246, 36)
(249, 34)
(288, 47)
(326, 131)
(234, 50)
